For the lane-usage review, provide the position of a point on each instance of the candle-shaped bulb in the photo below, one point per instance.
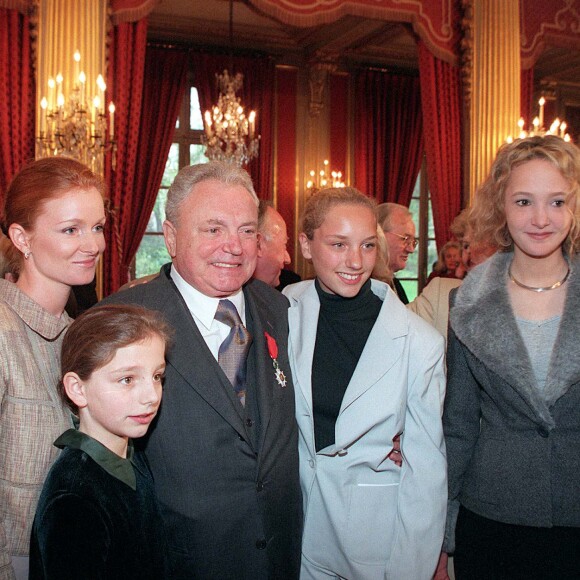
(521, 123)
(59, 79)
(101, 83)
(111, 120)
(60, 100)
(82, 78)
(77, 56)
(563, 126)
(51, 83)
(542, 102)
(95, 111)
(207, 118)
(43, 107)
(252, 120)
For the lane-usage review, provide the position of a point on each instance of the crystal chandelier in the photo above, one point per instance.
(557, 127)
(229, 134)
(76, 125)
(321, 179)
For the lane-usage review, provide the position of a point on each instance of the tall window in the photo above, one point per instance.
(421, 261)
(186, 149)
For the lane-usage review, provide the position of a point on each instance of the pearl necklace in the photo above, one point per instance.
(538, 289)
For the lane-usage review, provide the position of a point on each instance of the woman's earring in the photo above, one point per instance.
(27, 254)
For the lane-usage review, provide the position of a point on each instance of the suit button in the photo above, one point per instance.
(261, 544)
(260, 486)
(543, 432)
(249, 423)
(240, 437)
(311, 463)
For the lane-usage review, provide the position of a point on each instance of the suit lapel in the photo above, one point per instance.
(303, 321)
(385, 344)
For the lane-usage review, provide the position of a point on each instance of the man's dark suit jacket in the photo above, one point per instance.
(226, 477)
(400, 291)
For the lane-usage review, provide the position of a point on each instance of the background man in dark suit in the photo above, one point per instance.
(225, 464)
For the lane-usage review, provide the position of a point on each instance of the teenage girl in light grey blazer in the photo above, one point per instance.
(366, 372)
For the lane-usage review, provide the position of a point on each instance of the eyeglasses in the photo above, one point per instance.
(407, 239)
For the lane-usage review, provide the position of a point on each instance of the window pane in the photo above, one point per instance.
(172, 166)
(195, 118)
(158, 214)
(196, 154)
(151, 256)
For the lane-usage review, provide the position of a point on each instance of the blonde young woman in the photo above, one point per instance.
(512, 411)
(367, 373)
(54, 216)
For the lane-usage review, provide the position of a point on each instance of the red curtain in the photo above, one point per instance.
(388, 135)
(17, 88)
(527, 92)
(257, 94)
(441, 101)
(125, 88)
(152, 108)
(163, 89)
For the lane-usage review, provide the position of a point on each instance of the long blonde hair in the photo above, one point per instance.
(487, 218)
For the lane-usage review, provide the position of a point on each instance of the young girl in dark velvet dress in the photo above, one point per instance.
(97, 516)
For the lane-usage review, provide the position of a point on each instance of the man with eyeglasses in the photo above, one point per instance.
(397, 223)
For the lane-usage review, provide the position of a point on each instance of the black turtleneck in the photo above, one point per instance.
(344, 325)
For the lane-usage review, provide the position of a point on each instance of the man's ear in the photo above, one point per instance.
(170, 235)
(260, 239)
(305, 246)
(74, 389)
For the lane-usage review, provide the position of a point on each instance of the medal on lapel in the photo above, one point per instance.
(273, 352)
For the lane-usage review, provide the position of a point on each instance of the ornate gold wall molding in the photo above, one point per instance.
(318, 69)
(495, 83)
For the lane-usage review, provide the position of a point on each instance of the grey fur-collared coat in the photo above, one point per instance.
(513, 453)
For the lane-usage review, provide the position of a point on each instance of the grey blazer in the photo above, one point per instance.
(513, 454)
(230, 496)
(365, 517)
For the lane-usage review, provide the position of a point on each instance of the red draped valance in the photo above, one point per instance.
(555, 23)
(131, 10)
(436, 22)
(121, 10)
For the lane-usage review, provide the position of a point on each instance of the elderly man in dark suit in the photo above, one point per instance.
(223, 450)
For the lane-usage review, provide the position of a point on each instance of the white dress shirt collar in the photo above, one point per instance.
(204, 307)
